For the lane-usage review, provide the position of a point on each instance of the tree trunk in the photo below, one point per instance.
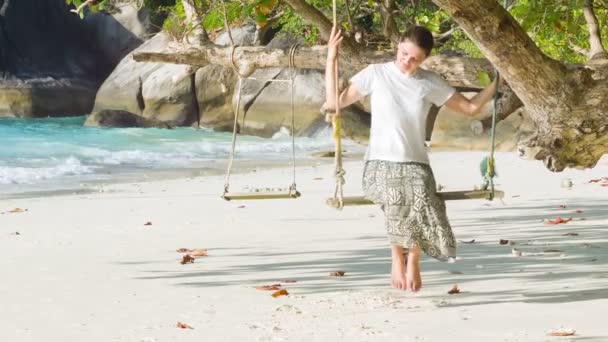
(567, 104)
(192, 17)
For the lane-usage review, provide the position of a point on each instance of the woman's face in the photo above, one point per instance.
(409, 57)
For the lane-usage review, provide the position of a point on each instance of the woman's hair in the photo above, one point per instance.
(420, 36)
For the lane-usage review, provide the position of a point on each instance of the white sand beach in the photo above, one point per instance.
(86, 267)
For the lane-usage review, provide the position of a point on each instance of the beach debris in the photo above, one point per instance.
(565, 332)
(503, 242)
(16, 211)
(597, 180)
(273, 287)
(553, 251)
(454, 289)
(199, 253)
(317, 178)
(469, 242)
(563, 206)
(242, 206)
(183, 325)
(516, 252)
(148, 223)
(456, 272)
(183, 250)
(281, 292)
(288, 281)
(187, 259)
(337, 274)
(558, 220)
(570, 234)
(566, 183)
(578, 211)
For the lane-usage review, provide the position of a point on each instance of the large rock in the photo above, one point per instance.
(246, 35)
(118, 33)
(42, 97)
(158, 91)
(122, 90)
(456, 131)
(214, 89)
(168, 95)
(50, 61)
(118, 118)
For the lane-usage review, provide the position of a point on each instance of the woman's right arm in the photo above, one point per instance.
(350, 95)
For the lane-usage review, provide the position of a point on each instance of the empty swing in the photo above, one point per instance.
(264, 193)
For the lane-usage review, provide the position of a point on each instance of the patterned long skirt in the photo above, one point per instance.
(415, 214)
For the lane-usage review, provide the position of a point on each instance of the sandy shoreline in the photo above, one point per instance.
(86, 267)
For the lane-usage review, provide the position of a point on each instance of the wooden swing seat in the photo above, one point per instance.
(446, 195)
(261, 195)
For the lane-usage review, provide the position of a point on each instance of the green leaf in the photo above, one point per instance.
(81, 14)
(483, 78)
(261, 19)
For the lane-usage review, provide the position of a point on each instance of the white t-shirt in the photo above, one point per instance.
(400, 104)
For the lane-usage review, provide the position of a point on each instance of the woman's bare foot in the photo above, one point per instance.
(398, 280)
(413, 278)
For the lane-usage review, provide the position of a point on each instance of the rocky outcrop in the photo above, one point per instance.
(118, 118)
(51, 61)
(173, 95)
(157, 91)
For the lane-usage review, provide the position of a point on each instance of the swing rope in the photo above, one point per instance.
(490, 172)
(241, 77)
(338, 199)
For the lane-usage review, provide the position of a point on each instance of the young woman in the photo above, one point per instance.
(397, 174)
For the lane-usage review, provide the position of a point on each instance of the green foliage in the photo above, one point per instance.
(215, 17)
(159, 10)
(93, 8)
(293, 25)
(556, 26)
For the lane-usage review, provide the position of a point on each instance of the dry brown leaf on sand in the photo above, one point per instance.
(279, 293)
(17, 210)
(558, 220)
(241, 206)
(183, 250)
(187, 259)
(567, 332)
(454, 289)
(183, 326)
(337, 274)
(199, 253)
(148, 223)
(503, 242)
(273, 287)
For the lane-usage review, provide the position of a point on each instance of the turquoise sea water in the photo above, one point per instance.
(43, 154)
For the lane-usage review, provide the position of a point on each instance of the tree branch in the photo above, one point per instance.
(320, 21)
(389, 27)
(460, 72)
(503, 41)
(595, 37)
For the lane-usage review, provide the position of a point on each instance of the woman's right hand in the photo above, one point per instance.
(335, 38)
